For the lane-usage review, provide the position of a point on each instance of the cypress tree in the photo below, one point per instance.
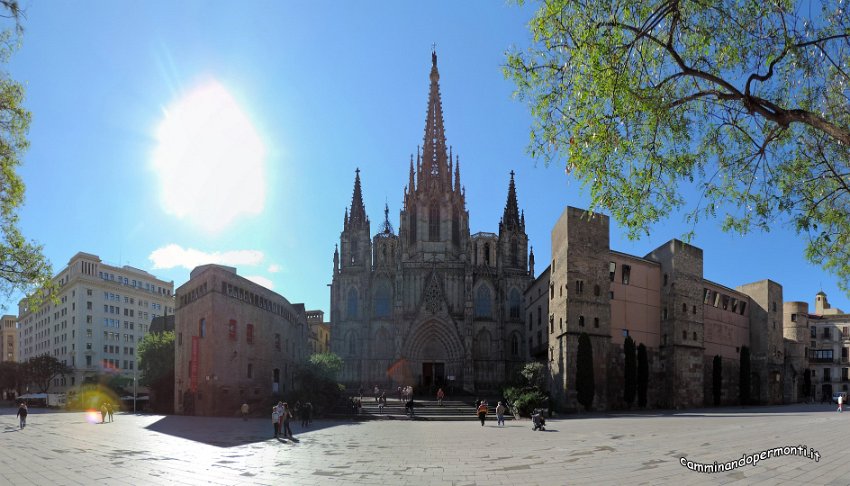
(744, 383)
(630, 369)
(717, 382)
(642, 375)
(807, 383)
(584, 371)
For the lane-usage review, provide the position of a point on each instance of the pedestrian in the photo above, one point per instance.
(399, 394)
(840, 402)
(103, 412)
(377, 392)
(276, 421)
(440, 395)
(409, 406)
(360, 393)
(296, 411)
(109, 410)
(382, 401)
(305, 414)
(245, 409)
(287, 415)
(309, 413)
(482, 412)
(500, 414)
(22, 414)
(280, 416)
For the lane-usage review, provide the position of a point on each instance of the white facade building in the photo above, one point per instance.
(101, 317)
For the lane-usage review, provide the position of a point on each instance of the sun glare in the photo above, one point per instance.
(210, 160)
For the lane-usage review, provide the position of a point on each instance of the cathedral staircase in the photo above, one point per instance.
(451, 410)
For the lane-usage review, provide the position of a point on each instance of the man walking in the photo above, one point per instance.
(22, 414)
(840, 402)
(245, 409)
(500, 414)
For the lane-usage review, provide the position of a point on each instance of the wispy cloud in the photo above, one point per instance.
(274, 268)
(173, 255)
(261, 281)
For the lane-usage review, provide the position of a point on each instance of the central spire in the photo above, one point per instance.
(435, 157)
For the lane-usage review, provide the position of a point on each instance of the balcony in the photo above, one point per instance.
(822, 360)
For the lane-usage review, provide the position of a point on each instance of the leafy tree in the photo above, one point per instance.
(743, 102)
(156, 364)
(23, 267)
(41, 370)
(529, 393)
(807, 383)
(642, 375)
(534, 374)
(630, 368)
(317, 381)
(744, 379)
(585, 386)
(717, 379)
(327, 365)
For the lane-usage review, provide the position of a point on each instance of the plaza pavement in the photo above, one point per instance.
(64, 448)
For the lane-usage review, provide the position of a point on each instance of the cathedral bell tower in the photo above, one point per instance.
(355, 240)
(513, 242)
(434, 220)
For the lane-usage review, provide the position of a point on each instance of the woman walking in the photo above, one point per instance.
(482, 412)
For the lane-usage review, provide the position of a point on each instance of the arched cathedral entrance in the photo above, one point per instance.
(435, 356)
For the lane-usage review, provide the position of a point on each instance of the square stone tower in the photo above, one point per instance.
(767, 347)
(579, 301)
(682, 336)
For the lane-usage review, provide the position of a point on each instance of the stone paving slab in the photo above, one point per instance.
(69, 448)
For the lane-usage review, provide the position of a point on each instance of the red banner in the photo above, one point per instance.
(193, 364)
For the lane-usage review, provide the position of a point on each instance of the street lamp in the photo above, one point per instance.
(134, 390)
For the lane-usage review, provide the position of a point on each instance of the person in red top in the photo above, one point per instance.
(482, 412)
(440, 396)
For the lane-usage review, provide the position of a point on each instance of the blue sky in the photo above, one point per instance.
(317, 89)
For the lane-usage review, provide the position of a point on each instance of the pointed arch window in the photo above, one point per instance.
(382, 299)
(482, 345)
(354, 249)
(383, 344)
(352, 303)
(486, 253)
(483, 302)
(514, 252)
(352, 343)
(514, 303)
(455, 227)
(434, 222)
(514, 346)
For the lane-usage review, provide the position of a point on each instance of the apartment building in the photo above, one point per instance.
(102, 314)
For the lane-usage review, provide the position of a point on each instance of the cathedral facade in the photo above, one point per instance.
(433, 305)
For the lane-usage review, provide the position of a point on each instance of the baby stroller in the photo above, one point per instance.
(537, 420)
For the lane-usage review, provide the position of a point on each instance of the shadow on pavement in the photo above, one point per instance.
(719, 412)
(230, 432)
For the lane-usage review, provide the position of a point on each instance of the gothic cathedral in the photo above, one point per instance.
(432, 305)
